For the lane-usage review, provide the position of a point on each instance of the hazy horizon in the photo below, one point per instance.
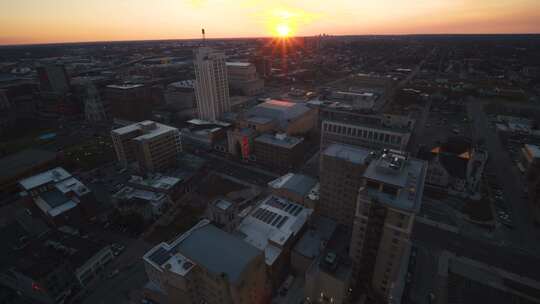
(77, 21)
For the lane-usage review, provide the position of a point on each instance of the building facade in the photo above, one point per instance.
(341, 169)
(212, 84)
(154, 146)
(388, 200)
(243, 78)
(280, 153)
(371, 136)
(206, 265)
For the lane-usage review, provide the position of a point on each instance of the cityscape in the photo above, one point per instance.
(286, 165)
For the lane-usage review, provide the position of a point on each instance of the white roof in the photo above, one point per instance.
(149, 129)
(272, 223)
(54, 175)
(353, 154)
(124, 86)
(238, 64)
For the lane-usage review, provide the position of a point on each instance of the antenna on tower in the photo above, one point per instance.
(203, 37)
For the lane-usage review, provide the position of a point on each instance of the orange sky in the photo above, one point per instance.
(44, 21)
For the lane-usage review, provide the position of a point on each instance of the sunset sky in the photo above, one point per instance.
(45, 21)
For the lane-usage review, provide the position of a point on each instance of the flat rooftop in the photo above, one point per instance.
(280, 140)
(297, 183)
(148, 129)
(353, 154)
(271, 224)
(320, 232)
(208, 246)
(156, 181)
(128, 193)
(398, 170)
(54, 175)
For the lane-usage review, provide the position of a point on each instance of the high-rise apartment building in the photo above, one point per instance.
(153, 145)
(388, 200)
(206, 265)
(341, 170)
(212, 84)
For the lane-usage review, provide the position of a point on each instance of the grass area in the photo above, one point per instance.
(183, 221)
(90, 154)
(478, 210)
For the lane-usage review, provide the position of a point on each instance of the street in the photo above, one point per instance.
(525, 235)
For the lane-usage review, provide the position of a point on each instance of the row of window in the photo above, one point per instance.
(363, 133)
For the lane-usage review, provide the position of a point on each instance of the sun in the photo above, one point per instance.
(283, 30)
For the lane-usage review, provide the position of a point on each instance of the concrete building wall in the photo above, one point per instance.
(211, 86)
(339, 184)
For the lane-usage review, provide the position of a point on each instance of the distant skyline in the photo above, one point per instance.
(56, 21)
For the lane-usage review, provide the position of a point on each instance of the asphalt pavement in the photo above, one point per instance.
(526, 235)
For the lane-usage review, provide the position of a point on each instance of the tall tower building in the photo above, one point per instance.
(212, 84)
(388, 200)
(341, 171)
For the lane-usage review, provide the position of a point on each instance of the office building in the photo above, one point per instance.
(212, 84)
(181, 95)
(154, 146)
(131, 102)
(279, 116)
(341, 170)
(279, 153)
(373, 133)
(206, 265)
(388, 200)
(243, 78)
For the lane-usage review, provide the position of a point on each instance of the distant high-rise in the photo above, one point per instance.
(53, 79)
(212, 85)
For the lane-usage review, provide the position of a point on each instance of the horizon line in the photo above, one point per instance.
(263, 37)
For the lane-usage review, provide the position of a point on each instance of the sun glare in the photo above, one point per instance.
(283, 30)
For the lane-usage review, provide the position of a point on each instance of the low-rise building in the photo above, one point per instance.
(149, 205)
(206, 265)
(274, 226)
(298, 188)
(173, 187)
(61, 198)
